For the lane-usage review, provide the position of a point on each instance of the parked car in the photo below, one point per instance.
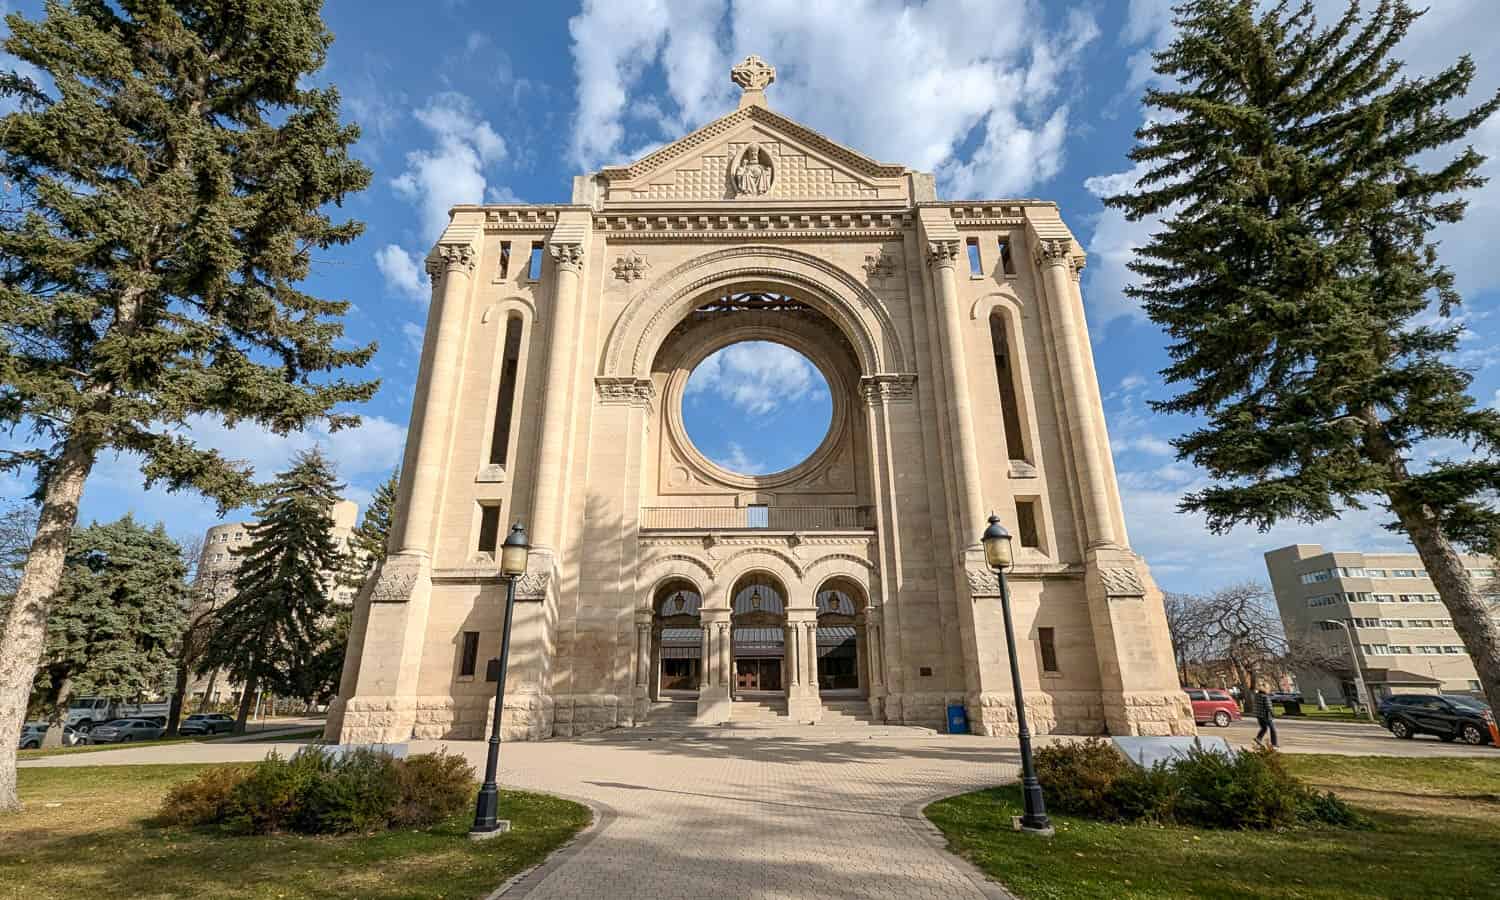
(33, 733)
(1213, 705)
(123, 731)
(206, 723)
(1451, 718)
(86, 712)
(1285, 696)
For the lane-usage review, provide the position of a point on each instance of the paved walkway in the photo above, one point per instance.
(764, 811)
(1346, 739)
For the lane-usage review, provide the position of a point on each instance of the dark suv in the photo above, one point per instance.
(1449, 717)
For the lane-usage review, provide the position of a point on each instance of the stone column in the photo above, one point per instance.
(1085, 420)
(714, 696)
(546, 500)
(802, 700)
(942, 257)
(642, 690)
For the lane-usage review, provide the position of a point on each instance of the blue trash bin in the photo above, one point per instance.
(958, 719)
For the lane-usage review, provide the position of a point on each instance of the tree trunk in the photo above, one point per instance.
(247, 699)
(179, 692)
(1462, 597)
(57, 717)
(208, 691)
(25, 633)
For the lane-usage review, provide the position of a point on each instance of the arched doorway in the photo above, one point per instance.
(676, 639)
(758, 619)
(842, 669)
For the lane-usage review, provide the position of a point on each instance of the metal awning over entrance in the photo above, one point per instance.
(836, 640)
(681, 643)
(759, 642)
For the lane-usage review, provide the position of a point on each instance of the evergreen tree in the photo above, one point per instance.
(269, 634)
(367, 542)
(168, 189)
(119, 611)
(1293, 272)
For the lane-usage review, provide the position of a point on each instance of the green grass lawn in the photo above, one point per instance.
(1436, 833)
(309, 733)
(84, 833)
(1331, 714)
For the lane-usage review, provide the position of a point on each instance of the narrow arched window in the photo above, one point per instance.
(1005, 375)
(505, 401)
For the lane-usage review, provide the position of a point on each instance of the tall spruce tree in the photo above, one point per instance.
(269, 635)
(119, 611)
(1294, 271)
(166, 191)
(367, 541)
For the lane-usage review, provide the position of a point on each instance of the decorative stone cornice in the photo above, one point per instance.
(983, 583)
(451, 258)
(520, 218)
(893, 388)
(625, 391)
(631, 266)
(1054, 252)
(567, 255)
(860, 226)
(942, 254)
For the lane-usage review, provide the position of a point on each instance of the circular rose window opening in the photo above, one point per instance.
(756, 408)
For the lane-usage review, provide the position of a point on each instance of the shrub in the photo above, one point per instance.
(269, 798)
(433, 787)
(356, 793)
(1250, 789)
(1143, 794)
(202, 799)
(1077, 776)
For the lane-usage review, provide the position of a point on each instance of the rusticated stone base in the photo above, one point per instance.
(575, 714)
(928, 710)
(1149, 714)
(335, 721)
(528, 717)
(378, 720)
(1049, 712)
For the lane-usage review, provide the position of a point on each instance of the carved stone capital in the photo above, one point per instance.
(942, 254)
(625, 391)
(451, 258)
(1122, 581)
(569, 256)
(533, 585)
(892, 388)
(1054, 252)
(397, 579)
(1079, 261)
(631, 267)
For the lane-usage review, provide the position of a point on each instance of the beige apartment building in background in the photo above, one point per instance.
(222, 545)
(1403, 638)
(558, 345)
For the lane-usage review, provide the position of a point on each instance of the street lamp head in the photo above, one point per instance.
(996, 541)
(514, 552)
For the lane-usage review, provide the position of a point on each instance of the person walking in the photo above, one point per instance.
(1261, 706)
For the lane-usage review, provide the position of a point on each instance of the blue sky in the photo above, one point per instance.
(476, 101)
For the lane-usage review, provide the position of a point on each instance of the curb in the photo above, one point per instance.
(525, 881)
(928, 832)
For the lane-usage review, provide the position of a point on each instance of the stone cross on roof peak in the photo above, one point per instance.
(753, 75)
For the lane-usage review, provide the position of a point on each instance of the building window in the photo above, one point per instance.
(506, 398)
(1007, 262)
(489, 527)
(1315, 577)
(976, 266)
(470, 656)
(1048, 644)
(1329, 626)
(1400, 649)
(534, 264)
(1352, 572)
(1365, 623)
(1026, 521)
(1376, 649)
(504, 271)
(1385, 598)
(1390, 623)
(1374, 573)
(757, 515)
(1403, 573)
(1453, 649)
(1005, 377)
(1328, 600)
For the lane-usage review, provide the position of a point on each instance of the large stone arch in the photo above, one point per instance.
(858, 313)
(658, 571)
(773, 562)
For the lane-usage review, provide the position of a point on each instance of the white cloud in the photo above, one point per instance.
(452, 171)
(865, 72)
(737, 460)
(413, 333)
(756, 377)
(402, 274)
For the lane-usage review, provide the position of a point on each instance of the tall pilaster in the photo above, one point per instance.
(546, 512)
(803, 703)
(714, 697)
(1054, 256)
(942, 258)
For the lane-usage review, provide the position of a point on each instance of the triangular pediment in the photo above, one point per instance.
(754, 156)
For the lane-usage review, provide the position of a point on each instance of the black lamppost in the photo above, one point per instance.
(513, 554)
(996, 542)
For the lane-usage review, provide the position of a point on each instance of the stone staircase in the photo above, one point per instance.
(673, 711)
(847, 712)
(765, 708)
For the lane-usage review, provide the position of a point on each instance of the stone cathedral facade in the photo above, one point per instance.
(664, 586)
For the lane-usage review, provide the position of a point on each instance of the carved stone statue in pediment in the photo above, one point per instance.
(754, 173)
